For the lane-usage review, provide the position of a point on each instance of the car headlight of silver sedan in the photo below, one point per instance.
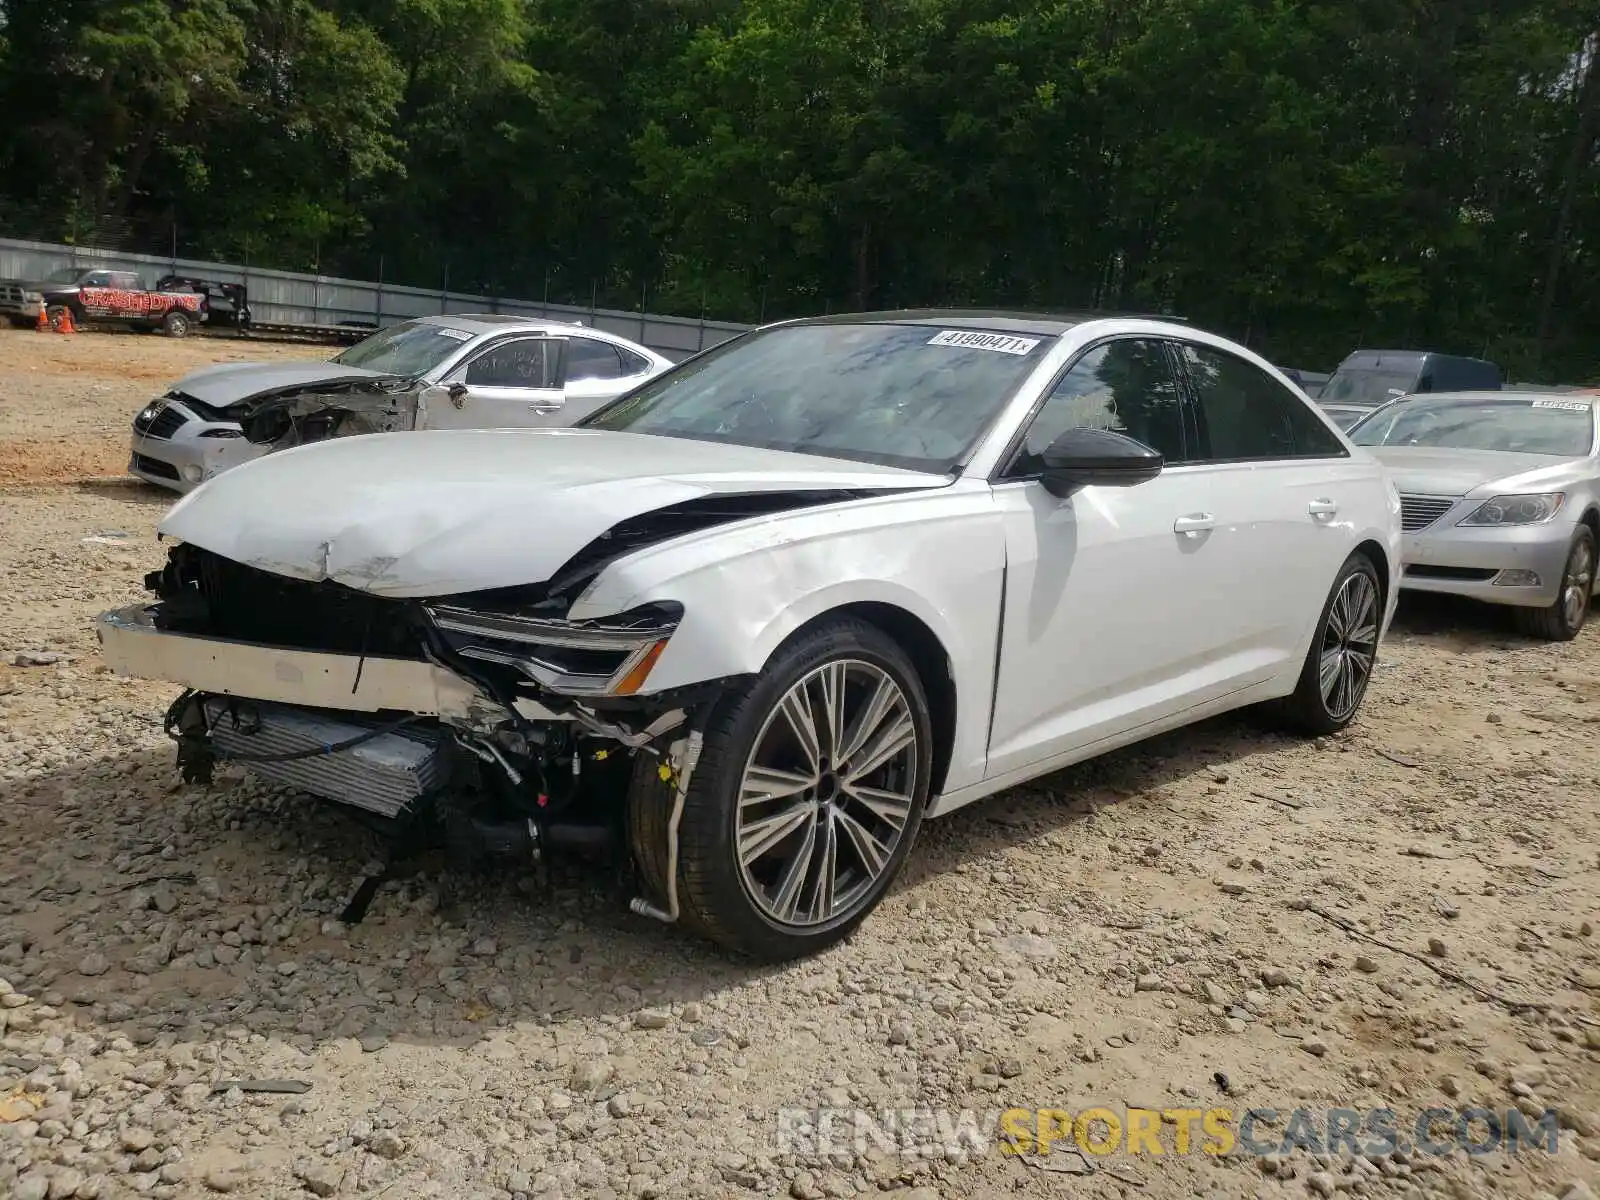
(610, 657)
(1532, 509)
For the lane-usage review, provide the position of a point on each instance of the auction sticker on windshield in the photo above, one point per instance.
(1563, 405)
(998, 342)
(459, 335)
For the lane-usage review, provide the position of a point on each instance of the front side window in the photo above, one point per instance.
(519, 363)
(1126, 386)
(409, 348)
(1513, 424)
(589, 358)
(1245, 414)
(914, 396)
(97, 279)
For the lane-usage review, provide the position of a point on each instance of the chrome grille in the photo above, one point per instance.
(10, 293)
(384, 775)
(1418, 512)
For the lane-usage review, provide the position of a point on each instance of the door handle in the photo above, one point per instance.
(1322, 508)
(1194, 523)
(544, 408)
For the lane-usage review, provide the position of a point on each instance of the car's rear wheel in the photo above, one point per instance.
(176, 324)
(805, 801)
(1339, 664)
(1563, 620)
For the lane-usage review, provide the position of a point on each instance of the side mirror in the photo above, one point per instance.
(1082, 458)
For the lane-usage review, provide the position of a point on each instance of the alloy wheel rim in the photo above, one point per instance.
(1349, 645)
(1576, 585)
(826, 794)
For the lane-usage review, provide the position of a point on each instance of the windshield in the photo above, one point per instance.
(64, 275)
(912, 396)
(410, 348)
(1367, 388)
(1530, 425)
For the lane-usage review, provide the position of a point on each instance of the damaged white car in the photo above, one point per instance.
(750, 624)
(461, 371)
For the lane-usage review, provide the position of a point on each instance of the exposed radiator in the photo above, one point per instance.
(383, 775)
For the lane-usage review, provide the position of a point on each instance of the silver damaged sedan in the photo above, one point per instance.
(1500, 498)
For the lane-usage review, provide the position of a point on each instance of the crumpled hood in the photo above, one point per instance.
(1438, 471)
(449, 511)
(232, 383)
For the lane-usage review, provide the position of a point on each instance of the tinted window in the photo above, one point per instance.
(130, 282)
(633, 364)
(903, 395)
(1125, 386)
(589, 359)
(97, 279)
(1244, 413)
(1368, 388)
(520, 363)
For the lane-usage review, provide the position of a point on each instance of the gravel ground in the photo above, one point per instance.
(1396, 917)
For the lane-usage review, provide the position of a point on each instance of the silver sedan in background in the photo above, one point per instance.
(1500, 498)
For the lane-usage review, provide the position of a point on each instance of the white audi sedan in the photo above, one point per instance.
(764, 614)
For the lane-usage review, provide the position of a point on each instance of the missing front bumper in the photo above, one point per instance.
(133, 646)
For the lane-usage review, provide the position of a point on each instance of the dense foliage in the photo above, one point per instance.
(1308, 175)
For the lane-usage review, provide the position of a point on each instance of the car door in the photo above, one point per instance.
(97, 295)
(511, 382)
(1275, 480)
(1111, 594)
(598, 371)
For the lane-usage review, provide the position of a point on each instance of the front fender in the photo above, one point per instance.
(938, 556)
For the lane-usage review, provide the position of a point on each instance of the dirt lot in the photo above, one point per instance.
(1400, 917)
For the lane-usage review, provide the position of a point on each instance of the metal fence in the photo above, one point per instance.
(291, 298)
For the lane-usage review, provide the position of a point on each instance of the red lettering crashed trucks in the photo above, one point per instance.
(95, 294)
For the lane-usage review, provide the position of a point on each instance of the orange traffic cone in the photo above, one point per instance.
(43, 324)
(66, 322)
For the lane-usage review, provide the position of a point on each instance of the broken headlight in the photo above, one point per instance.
(612, 656)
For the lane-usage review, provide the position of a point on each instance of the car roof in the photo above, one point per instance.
(479, 323)
(982, 319)
(1370, 359)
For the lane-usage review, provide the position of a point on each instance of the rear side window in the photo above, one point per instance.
(1246, 415)
(633, 364)
(591, 359)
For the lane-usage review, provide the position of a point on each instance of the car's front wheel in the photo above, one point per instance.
(1563, 620)
(806, 798)
(176, 324)
(1333, 680)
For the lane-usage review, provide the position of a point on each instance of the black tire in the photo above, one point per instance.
(177, 324)
(1310, 709)
(713, 893)
(1564, 619)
